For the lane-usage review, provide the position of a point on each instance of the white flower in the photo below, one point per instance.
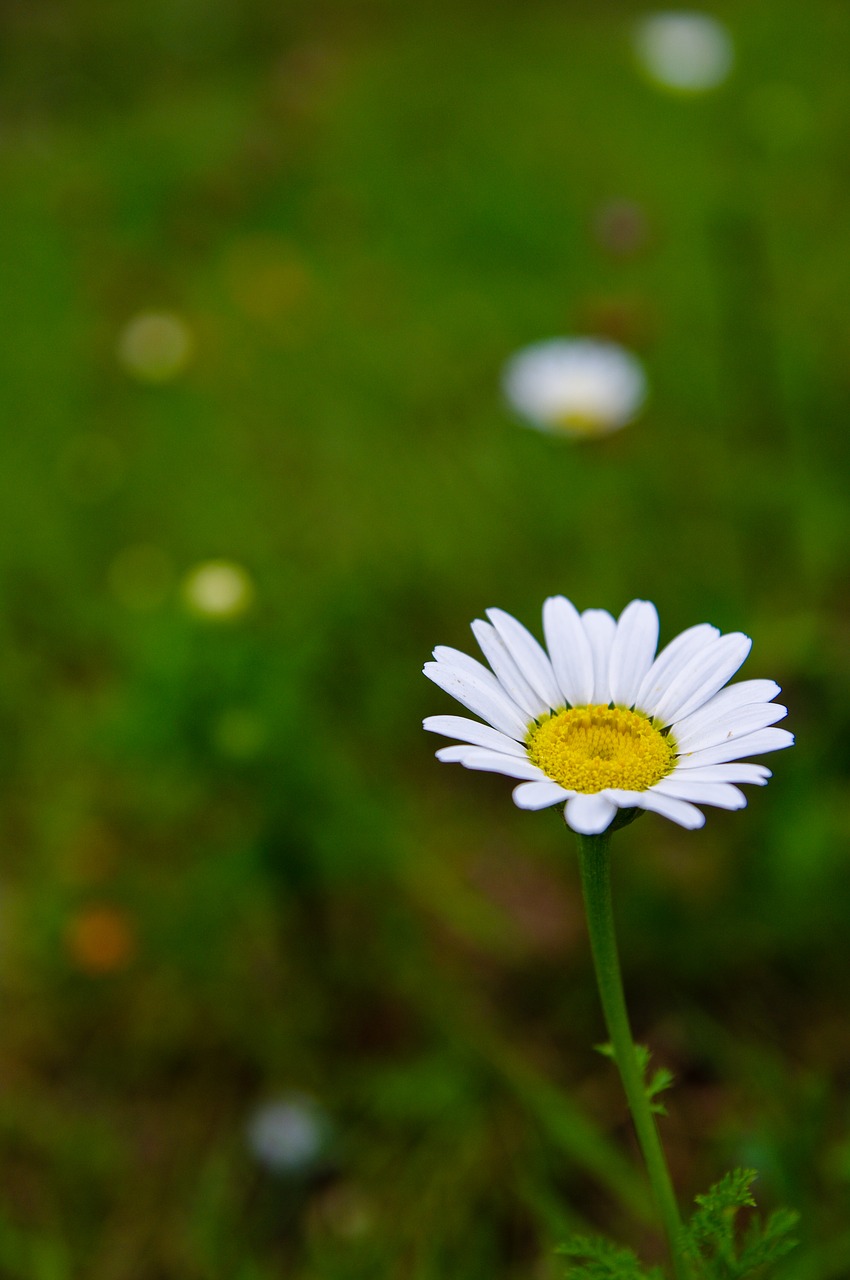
(578, 386)
(682, 50)
(601, 722)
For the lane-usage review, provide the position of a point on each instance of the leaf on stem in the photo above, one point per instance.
(661, 1078)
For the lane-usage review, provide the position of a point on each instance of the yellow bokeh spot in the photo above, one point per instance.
(587, 749)
(265, 278)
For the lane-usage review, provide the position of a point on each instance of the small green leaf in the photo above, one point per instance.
(643, 1056)
(710, 1239)
(769, 1241)
(713, 1224)
(661, 1079)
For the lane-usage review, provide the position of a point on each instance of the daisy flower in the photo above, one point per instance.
(600, 723)
(576, 386)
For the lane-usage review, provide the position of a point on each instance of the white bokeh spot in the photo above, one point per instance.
(218, 589)
(289, 1134)
(155, 346)
(686, 51)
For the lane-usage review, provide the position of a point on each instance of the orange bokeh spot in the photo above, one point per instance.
(100, 939)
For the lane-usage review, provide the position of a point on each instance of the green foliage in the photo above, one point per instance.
(359, 211)
(713, 1224)
(713, 1242)
(596, 1259)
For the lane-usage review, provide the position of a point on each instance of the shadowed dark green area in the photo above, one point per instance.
(230, 867)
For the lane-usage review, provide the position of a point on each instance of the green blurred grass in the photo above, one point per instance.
(327, 910)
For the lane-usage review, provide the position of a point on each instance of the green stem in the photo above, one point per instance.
(595, 863)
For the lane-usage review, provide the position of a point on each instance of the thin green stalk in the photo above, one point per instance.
(595, 863)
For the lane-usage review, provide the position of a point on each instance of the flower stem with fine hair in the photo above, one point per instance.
(595, 865)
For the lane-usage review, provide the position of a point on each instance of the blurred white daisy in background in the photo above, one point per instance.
(683, 50)
(289, 1135)
(599, 723)
(575, 386)
(218, 589)
(155, 346)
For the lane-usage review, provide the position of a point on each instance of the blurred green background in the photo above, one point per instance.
(231, 869)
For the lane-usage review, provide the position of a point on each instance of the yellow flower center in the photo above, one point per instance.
(581, 423)
(587, 749)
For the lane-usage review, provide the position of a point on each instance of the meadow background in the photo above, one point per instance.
(231, 868)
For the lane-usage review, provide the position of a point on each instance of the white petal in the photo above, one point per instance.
(459, 660)
(745, 693)
(677, 810)
(687, 815)
(693, 735)
(463, 664)
(539, 795)
(589, 814)
(754, 744)
(480, 735)
(633, 650)
(702, 677)
(491, 762)
(529, 656)
(482, 695)
(569, 649)
(672, 659)
(757, 774)
(507, 673)
(721, 794)
(600, 629)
